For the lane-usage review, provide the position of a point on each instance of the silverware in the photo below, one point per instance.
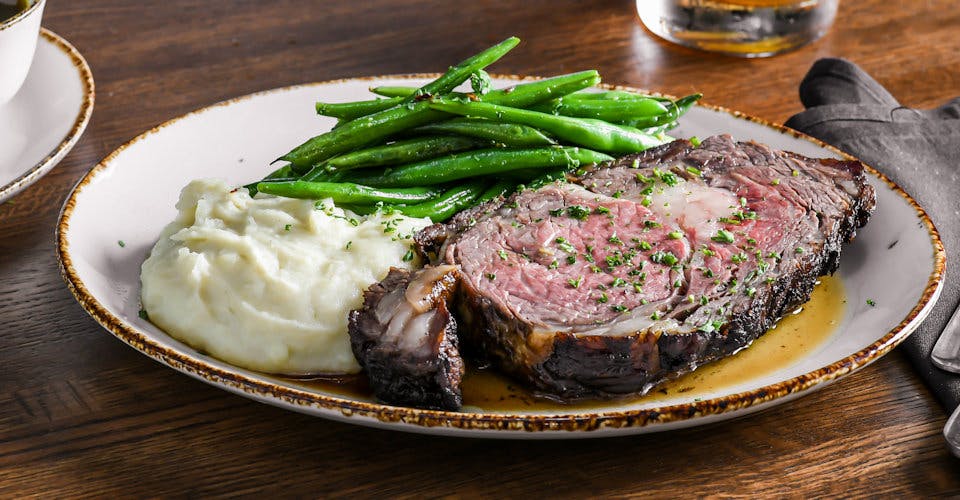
(946, 352)
(946, 355)
(951, 432)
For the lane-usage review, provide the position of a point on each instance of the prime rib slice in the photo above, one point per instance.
(406, 339)
(642, 270)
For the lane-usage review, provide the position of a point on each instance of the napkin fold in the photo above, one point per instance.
(920, 150)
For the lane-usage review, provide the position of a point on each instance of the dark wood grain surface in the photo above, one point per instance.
(81, 413)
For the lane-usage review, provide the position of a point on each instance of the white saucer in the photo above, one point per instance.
(40, 125)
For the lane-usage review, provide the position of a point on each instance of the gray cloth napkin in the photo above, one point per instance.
(920, 151)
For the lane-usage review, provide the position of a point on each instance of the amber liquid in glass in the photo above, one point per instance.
(746, 28)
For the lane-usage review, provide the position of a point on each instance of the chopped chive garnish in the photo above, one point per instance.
(578, 212)
(562, 244)
(723, 236)
(668, 178)
(615, 259)
(665, 258)
(644, 179)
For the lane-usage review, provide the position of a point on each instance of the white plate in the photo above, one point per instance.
(40, 125)
(237, 139)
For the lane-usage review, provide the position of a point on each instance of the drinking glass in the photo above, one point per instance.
(745, 28)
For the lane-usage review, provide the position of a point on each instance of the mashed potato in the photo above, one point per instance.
(266, 283)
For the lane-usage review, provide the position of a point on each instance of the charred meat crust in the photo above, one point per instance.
(423, 368)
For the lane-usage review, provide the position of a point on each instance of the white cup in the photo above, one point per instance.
(18, 42)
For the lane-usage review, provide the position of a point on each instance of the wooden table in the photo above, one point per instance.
(81, 413)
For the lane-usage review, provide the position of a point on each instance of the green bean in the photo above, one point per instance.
(613, 95)
(480, 82)
(509, 134)
(447, 204)
(284, 172)
(393, 90)
(345, 192)
(353, 110)
(658, 129)
(459, 73)
(610, 111)
(675, 110)
(406, 151)
(581, 96)
(493, 97)
(528, 94)
(597, 135)
(358, 133)
(685, 102)
(481, 162)
(372, 128)
(501, 188)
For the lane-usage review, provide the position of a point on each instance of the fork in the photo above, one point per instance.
(946, 355)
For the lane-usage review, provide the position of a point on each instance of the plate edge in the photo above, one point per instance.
(79, 125)
(451, 422)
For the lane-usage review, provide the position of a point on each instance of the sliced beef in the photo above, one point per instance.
(405, 339)
(649, 267)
